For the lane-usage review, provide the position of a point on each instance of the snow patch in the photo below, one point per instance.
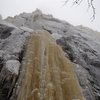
(56, 36)
(7, 24)
(13, 66)
(26, 29)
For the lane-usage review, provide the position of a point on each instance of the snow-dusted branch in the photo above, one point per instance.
(90, 5)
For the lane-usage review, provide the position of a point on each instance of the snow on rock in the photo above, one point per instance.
(0, 17)
(95, 35)
(87, 58)
(15, 42)
(56, 36)
(2, 22)
(26, 29)
(82, 45)
(13, 66)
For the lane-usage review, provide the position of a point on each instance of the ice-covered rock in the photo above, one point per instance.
(56, 36)
(82, 46)
(87, 58)
(0, 17)
(13, 66)
(26, 29)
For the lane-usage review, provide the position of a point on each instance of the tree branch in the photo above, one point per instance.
(90, 5)
(93, 8)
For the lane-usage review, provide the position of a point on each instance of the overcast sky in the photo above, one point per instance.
(74, 15)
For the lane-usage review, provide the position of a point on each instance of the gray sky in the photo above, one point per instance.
(74, 15)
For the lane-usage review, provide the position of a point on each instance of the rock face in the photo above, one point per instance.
(80, 44)
(12, 41)
(0, 17)
(13, 66)
(48, 74)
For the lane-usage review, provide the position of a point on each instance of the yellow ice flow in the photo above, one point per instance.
(49, 75)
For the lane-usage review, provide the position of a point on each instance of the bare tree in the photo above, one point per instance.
(89, 3)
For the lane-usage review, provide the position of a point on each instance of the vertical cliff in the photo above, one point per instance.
(48, 75)
(26, 53)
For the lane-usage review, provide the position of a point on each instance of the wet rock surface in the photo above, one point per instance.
(81, 46)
